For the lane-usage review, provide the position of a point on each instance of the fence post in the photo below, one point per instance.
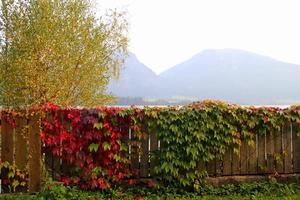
(7, 146)
(7, 143)
(34, 153)
(21, 147)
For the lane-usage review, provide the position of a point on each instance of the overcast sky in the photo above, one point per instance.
(164, 33)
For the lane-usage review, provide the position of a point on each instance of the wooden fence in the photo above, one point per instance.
(22, 146)
(271, 153)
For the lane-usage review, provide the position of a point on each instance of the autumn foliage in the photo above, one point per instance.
(90, 144)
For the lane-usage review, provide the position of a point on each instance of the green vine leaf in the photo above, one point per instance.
(93, 147)
(98, 125)
(106, 146)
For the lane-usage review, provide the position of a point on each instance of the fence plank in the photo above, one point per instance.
(211, 167)
(252, 156)
(270, 153)
(236, 163)
(7, 142)
(21, 142)
(144, 164)
(244, 158)
(261, 160)
(278, 151)
(34, 153)
(287, 148)
(134, 156)
(296, 148)
(7, 147)
(21, 147)
(227, 163)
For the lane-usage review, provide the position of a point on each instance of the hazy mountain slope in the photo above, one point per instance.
(229, 74)
(136, 80)
(236, 76)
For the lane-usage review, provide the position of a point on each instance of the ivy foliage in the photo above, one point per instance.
(198, 133)
(13, 178)
(94, 143)
(91, 144)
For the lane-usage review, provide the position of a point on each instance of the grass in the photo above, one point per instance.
(154, 197)
(262, 190)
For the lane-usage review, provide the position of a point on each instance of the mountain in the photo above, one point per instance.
(136, 80)
(233, 75)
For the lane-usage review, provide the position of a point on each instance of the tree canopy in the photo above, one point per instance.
(58, 51)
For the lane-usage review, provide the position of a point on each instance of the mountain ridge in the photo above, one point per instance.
(234, 75)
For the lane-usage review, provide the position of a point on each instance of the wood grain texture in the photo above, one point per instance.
(34, 153)
(296, 148)
(270, 153)
(144, 164)
(252, 156)
(244, 159)
(278, 150)
(7, 141)
(287, 148)
(236, 163)
(227, 161)
(21, 138)
(261, 160)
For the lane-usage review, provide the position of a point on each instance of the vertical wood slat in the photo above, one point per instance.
(252, 156)
(21, 142)
(153, 149)
(134, 156)
(227, 163)
(270, 152)
(296, 148)
(236, 162)
(7, 147)
(287, 148)
(7, 142)
(278, 151)
(244, 158)
(144, 164)
(211, 167)
(21, 147)
(261, 159)
(34, 153)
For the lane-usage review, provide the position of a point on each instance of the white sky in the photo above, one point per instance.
(164, 33)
